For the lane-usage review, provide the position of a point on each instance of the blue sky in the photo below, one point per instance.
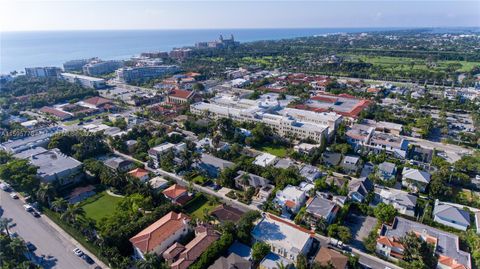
(22, 15)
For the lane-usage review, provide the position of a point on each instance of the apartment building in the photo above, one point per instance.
(42, 72)
(273, 114)
(129, 74)
(97, 68)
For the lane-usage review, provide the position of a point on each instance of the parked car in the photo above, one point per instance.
(28, 207)
(14, 195)
(88, 259)
(30, 246)
(78, 252)
(35, 213)
(4, 186)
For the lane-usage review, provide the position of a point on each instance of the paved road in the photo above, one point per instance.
(38, 231)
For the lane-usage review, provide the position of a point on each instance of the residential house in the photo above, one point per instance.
(310, 172)
(415, 179)
(157, 237)
(140, 173)
(181, 257)
(285, 238)
(305, 147)
(226, 213)
(272, 261)
(232, 261)
(291, 199)
(158, 183)
(451, 216)
(265, 192)
(177, 194)
(387, 171)
(265, 159)
(319, 207)
(212, 165)
(358, 189)
(403, 202)
(284, 163)
(245, 180)
(445, 244)
(157, 151)
(331, 159)
(119, 164)
(351, 164)
(131, 144)
(329, 257)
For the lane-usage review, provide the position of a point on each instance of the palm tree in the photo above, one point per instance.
(73, 213)
(151, 261)
(18, 248)
(4, 223)
(59, 204)
(45, 192)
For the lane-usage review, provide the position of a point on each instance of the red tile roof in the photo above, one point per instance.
(175, 191)
(181, 94)
(327, 256)
(450, 262)
(55, 112)
(97, 101)
(138, 172)
(155, 234)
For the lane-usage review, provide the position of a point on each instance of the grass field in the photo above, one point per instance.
(279, 151)
(100, 205)
(196, 207)
(405, 63)
(199, 180)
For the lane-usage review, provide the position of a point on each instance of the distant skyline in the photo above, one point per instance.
(39, 15)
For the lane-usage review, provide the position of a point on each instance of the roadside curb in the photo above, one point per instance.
(73, 241)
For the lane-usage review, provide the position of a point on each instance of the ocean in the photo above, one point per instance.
(28, 49)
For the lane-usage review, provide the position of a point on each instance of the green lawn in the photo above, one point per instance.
(199, 180)
(100, 205)
(279, 151)
(196, 207)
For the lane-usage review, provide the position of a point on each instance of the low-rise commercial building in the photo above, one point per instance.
(84, 81)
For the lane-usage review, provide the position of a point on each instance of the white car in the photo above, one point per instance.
(78, 252)
(28, 207)
(14, 195)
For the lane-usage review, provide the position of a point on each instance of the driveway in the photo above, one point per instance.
(360, 226)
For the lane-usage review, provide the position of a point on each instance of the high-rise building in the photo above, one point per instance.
(42, 72)
(101, 67)
(76, 65)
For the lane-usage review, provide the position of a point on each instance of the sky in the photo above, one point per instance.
(39, 15)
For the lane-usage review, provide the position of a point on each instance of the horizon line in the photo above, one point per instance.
(242, 28)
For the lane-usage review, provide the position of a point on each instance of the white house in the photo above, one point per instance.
(265, 160)
(285, 238)
(291, 198)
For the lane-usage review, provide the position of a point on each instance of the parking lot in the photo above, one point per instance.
(360, 226)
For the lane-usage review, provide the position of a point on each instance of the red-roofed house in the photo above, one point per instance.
(180, 96)
(160, 235)
(177, 194)
(180, 257)
(139, 173)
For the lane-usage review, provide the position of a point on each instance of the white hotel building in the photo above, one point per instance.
(287, 122)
